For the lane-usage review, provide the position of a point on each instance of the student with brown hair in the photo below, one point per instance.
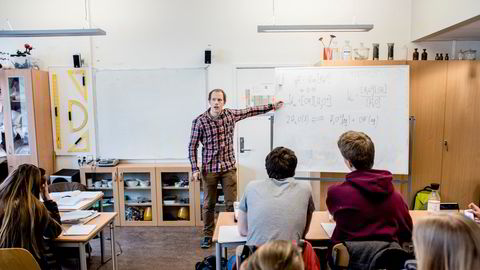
(275, 255)
(447, 242)
(366, 206)
(26, 222)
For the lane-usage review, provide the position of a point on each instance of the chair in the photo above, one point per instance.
(17, 259)
(369, 255)
(66, 186)
(340, 256)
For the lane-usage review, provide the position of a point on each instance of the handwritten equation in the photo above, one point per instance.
(313, 101)
(340, 119)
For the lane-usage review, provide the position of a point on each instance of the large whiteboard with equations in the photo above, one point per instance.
(323, 102)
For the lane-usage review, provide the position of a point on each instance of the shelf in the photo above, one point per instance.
(176, 188)
(149, 187)
(138, 204)
(177, 204)
(100, 188)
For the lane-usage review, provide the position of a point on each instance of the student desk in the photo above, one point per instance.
(85, 204)
(79, 241)
(315, 233)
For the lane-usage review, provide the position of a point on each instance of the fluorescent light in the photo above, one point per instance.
(315, 28)
(53, 33)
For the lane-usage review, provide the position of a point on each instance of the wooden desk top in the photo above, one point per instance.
(315, 232)
(101, 221)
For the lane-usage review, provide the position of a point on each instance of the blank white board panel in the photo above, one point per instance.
(147, 114)
(323, 102)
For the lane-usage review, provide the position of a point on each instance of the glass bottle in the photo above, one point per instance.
(347, 51)
(390, 51)
(447, 57)
(424, 54)
(437, 57)
(335, 51)
(441, 57)
(375, 51)
(433, 202)
(415, 54)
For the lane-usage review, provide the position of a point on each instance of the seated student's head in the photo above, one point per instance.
(357, 150)
(447, 242)
(275, 255)
(281, 163)
(22, 216)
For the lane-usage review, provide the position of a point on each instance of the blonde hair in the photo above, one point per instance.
(447, 242)
(23, 217)
(275, 255)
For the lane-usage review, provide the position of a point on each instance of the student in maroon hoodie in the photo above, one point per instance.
(366, 206)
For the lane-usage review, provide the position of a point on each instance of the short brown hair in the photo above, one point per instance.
(357, 148)
(219, 91)
(281, 163)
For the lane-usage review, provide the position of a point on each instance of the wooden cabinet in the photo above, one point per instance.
(461, 149)
(27, 127)
(137, 195)
(103, 179)
(445, 100)
(144, 194)
(175, 194)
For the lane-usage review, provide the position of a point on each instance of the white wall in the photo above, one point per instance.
(430, 16)
(162, 33)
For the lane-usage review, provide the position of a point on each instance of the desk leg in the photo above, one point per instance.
(83, 256)
(218, 255)
(114, 253)
(102, 246)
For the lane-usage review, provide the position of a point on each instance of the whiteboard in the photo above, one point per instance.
(322, 103)
(147, 114)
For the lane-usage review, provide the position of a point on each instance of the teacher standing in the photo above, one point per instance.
(214, 129)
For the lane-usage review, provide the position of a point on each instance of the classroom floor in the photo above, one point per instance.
(151, 248)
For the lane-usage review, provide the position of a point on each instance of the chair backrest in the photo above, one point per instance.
(17, 259)
(66, 186)
(340, 256)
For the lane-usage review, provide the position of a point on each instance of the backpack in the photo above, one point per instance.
(421, 198)
(209, 263)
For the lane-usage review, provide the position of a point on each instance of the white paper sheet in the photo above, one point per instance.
(229, 234)
(328, 227)
(80, 229)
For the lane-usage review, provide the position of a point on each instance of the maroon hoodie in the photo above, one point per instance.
(366, 207)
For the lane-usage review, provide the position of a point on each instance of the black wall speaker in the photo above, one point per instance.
(76, 60)
(208, 56)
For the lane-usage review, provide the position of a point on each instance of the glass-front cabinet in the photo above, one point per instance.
(26, 129)
(136, 191)
(175, 195)
(104, 179)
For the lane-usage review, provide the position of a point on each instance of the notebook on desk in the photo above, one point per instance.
(230, 234)
(80, 229)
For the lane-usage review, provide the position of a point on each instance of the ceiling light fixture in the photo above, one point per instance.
(314, 28)
(53, 33)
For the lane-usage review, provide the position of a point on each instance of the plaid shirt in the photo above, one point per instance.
(216, 136)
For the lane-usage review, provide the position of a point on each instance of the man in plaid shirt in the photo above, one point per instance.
(214, 129)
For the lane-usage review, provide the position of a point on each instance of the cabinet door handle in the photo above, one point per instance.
(121, 177)
(445, 143)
